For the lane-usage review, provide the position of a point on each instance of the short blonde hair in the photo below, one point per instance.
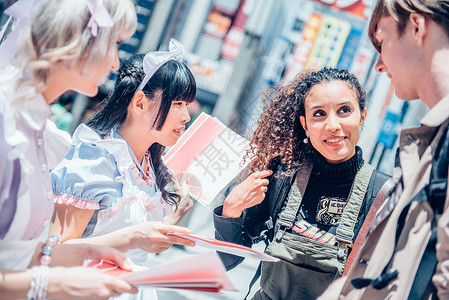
(58, 33)
(400, 10)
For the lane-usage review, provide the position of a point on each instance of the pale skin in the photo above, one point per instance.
(73, 282)
(141, 116)
(65, 283)
(422, 50)
(70, 222)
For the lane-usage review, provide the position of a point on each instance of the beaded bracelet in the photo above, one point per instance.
(39, 280)
(47, 250)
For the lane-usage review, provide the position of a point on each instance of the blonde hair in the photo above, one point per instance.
(58, 33)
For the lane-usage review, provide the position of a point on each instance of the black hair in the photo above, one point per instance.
(326, 75)
(173, 81)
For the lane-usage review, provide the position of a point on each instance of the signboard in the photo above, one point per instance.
(355, 7)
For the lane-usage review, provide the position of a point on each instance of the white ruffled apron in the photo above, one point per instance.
(138, 204)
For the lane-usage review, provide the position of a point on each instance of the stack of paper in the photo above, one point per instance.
(210, 154)
(204, 272)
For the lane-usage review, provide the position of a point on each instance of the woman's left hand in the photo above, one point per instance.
(248, 193)
(75, 254)
(185, 203)
(155, 237)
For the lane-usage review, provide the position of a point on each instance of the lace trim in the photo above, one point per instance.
(149, 206)
(78, 203)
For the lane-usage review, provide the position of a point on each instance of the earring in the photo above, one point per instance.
(306, 140)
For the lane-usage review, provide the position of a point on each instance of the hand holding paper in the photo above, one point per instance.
(185, 203)
(203, 272)
(154, 237)
(226, 247)
(211, 155)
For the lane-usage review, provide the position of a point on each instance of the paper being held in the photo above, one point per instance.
(204, 272)
(227, 247)
(211, 156)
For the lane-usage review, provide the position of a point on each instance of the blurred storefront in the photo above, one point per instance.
(239, 49)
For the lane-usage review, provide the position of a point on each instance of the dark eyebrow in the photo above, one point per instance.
(321, 106)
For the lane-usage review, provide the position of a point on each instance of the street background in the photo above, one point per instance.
(238, 50)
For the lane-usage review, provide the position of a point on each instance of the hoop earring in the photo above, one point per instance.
(306, 140)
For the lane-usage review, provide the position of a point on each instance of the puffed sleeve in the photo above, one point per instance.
(87, 178)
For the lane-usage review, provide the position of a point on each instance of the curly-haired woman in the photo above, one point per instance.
(312, 208)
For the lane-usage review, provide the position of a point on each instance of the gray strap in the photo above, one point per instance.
(288, 216)
(345, 230)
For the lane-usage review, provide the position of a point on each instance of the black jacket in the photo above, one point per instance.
(254, 224)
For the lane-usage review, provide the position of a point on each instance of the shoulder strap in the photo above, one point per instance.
(288, 215)
(345, 230)
(377, 203)
(426, 269)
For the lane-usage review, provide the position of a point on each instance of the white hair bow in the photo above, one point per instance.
(154, 60)
(99, 16)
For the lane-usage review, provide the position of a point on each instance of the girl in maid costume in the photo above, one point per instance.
(113, 187)
(64, 45)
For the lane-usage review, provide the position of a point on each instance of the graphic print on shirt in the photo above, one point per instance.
(307, 230)
(329, 210)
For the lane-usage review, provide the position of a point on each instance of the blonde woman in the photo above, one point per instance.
(65, 45)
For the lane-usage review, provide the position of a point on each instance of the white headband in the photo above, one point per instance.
(154, 60)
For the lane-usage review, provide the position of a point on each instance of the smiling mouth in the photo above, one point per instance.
(335, 140)
(178, 131)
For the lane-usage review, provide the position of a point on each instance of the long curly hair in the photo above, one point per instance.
(279, 134)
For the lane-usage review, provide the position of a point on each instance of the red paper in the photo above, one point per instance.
(204, 272)
(227, 247)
